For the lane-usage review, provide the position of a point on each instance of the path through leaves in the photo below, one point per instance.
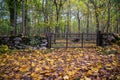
(60, 64)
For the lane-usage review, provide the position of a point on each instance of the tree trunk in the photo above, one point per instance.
(57, 20)
(68, 18)
(11, 10)
(96, 14)
(23, 17)
(97, 20)
(117, 21)
(58, 5)
(15, 17)
(108, 22)
(44, 9)
(88, 20)
(78, 21)
(26, 17)
(117, 27)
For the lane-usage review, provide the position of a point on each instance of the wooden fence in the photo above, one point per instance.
(71, 40)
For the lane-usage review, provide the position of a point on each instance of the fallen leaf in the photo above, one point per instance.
(66, 77)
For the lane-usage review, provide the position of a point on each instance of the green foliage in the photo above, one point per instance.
(107, 50)
(118, 42)
(41, 15)
(5, 29)
(36, 41)
(46, 51)
(77, 78)
(33, 42)
(4, 49)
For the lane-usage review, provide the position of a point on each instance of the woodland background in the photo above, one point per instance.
(35, 17)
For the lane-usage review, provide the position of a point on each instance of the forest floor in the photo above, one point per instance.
(61, 64)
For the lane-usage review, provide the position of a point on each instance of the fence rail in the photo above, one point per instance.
(71, 40)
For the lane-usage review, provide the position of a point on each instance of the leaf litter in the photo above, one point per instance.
(60, 64)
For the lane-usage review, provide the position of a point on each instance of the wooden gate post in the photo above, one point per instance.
(66, 40)
(48, 35)
(99, 40)
(82, 40)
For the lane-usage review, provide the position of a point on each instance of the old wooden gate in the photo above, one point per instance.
(71, 40)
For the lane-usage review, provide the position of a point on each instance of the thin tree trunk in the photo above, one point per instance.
(108, 22)
(97, 20)
(117, 21)
(68, 18)
(78, 22)
(88, 20)
(68, 22)
(23, 17)
(15, 17)
(26, 17)
(11, 10)
(57, 20)
(58, 6)
(44, 9)
(96, 14)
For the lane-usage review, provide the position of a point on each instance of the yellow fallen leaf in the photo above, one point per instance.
(42, 72)
(34, 75)
(68, 60)
(37, 69)
(86, 78)
(32, 64)
(2, 64)
(81, 54)
(66, 77)
(24, 68)
(17, 63)
(17, 76)
(52, 62)
(109, 68)
(95, 69)
(6, 77)
(70, 73)
(107, 65)
(90, 72)
(37, 51)
(46, 67)
(77, 68)
(84, 67)
(114, 63)
(60, 60)
(16, 68)
(118, 77)
(47, 74)
(112, 55)
(99, 65)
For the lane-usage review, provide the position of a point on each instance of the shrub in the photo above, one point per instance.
(5, 28)
(4, 49)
